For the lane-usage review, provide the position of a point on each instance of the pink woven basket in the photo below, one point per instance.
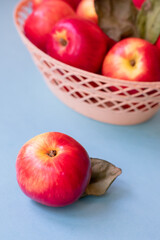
(91, 94)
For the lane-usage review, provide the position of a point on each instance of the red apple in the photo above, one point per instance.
(53, 169)
(87, 10)
(138, 3)
(72, 3)
(41, 21)
(79, 43)
(133, 59)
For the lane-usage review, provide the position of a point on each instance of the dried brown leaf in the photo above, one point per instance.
(103, 174)
(117, 18)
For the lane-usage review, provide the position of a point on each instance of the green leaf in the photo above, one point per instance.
(117, 18)
(148, 21)
(103, 174)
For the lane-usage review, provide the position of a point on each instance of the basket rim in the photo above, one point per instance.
(74, 69)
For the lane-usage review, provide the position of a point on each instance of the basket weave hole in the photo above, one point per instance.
(66, 88)
(119, 90)
(108, 104)
(153, 104)
(47, 75)
(74, 78)
(80, 95)
(46, 64)
(91, 100)
(90, 84)
(37, 57)
(125, 91)
(54, 82)
(153, 93)
(61, 71)
(24, 12)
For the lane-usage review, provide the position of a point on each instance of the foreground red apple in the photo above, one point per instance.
(138, 3)
(72, 3)
(41, 21)
(87, 10)
(79, 43)
(133, 59)
(53, 169)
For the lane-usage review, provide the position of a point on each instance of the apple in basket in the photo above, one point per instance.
(72, 3)
(53, 169)
(133, 59)
(79, 43)
(87, 10)
(41, 21)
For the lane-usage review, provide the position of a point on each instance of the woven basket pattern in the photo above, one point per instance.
(95, 96)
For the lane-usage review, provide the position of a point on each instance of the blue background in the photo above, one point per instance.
(131, 207)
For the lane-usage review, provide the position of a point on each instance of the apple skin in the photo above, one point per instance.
(133, 59)
(72, 3)
(51, 180)
(138, 3)
(36, 3)
(78, 42)
(41, 21)
(87, 10)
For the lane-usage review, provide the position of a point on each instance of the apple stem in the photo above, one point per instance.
(52, 153)
(63, 42)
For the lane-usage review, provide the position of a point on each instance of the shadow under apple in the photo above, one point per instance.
(87, 207)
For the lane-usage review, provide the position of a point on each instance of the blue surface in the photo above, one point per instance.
(129, 210)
